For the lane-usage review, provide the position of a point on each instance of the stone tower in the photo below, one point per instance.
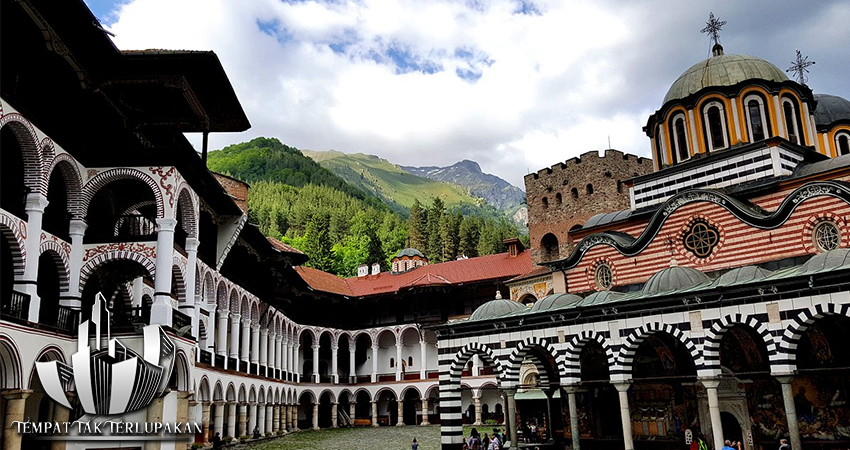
(562, 197)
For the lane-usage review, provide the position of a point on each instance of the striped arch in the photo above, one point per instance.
(710, 360)
(104, 178)
(330, 394)
(11, 368)
(786, 360)
(89, 266)
(187, 210)
(49, 352)
(203, 394)
(178, 279)
(234, 301)
(623, 370)
(30, 150)
(60, 257)
(523, 350)
(221, 296)
(67, 166)
(11, 229)
(451, 420)
(573, 354)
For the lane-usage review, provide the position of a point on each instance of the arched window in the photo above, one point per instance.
(715, 126)
(409, 361)
(392, 363)
(757, 121)
(679, 138)
(549, 246)
(589, 188)
(842, 143)
(792, 120)
(558, 198)
(574, 193)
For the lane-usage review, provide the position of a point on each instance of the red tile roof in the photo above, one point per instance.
(500, 266)
(283, 247)
(533, 273)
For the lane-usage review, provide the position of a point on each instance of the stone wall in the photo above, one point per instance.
(565, 195)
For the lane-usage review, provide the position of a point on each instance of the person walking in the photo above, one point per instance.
(216, 441)
(414, 445)
(783, 444)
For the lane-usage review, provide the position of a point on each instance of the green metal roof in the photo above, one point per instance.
(555, 301)
(409, 252)
(723, 70)
(831, 109)
(496, 308)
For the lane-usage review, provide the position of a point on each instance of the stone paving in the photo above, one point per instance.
(366, 438)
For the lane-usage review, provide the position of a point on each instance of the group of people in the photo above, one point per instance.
(530, 432)
(487, 442)
(699, 443)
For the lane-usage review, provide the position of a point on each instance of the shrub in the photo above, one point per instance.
(197, 445)
(227, 439)
(269, 433)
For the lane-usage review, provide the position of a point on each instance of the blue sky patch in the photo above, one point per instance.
(528, 8)
(469, 75)
(406, 61)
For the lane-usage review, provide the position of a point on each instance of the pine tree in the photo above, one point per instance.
(434, 247)
(470, 233)
(416, 227)
(317, 243)
(450, 235)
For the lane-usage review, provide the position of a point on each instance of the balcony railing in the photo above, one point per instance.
(206, 358)
(17, 306)
(127, 228)
(180, 321)
(67, 319)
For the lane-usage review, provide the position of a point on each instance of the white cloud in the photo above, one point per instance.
(431, 83)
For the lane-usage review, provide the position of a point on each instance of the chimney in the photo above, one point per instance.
(514, 246)
(376, 268)
(362, 270)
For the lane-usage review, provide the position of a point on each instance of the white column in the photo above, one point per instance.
(234, 337)
(400, 413)
(374, 363)
(284, 357)
(374, 413)
(255, 347)
(77, 230)
(252, 418)
(477, 401)
(271, 356)
(295, 368)
(510, 416)
(264, 347)
(315, 416)
(245, 342)
(334, 413)
(425, 412)
(161, 308)
(315, 363)
(231, 419)
(476, 365)
(218, 419)
(398, 359)
(278, 355)
(35, 204)
(423, 355)
(221, 328)
(714, 411)
(291, 364)
(269, 417)
(191, 307)
(790, 412)
(625, 415)
(334, 363)
(352, 372)
(261, 419)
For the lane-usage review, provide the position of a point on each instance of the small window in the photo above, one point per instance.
(545, 202)
(679, 136)
(791, 122)
(574, 193)
(842, 144)
(589, 188)
(558, 198)
(619, 187)
(756, 118)
(826, 236)
(392, 363)
(409, 361)
(604, 277)
(715, 124)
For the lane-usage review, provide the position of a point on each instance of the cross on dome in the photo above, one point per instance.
(800, 68)
(712, 27)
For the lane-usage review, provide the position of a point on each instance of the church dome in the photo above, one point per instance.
(673, 279)
(723, 70)
(409, 252)
(831, 109)
(555, 301)
(496, 308)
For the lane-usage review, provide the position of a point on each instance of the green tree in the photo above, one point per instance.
(417, 226)
(393, 235)
(470, 234)
(450, 235)
(317, 243)
(434, 246)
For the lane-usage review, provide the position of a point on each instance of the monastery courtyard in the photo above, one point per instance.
(364, 438)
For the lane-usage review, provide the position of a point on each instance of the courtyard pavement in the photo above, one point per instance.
(365, 438)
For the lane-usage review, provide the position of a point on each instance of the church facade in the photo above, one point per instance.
(710, 298)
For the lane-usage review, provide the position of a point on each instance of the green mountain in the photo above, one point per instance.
(396, 186)
(267, 159)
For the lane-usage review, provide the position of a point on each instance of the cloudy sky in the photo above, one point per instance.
(516, 85)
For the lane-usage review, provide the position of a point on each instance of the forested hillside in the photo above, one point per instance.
(340, 227)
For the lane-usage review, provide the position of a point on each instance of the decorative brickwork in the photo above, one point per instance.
(104, 178)
(59, 254)
(30, 150)
(10, 227)
(138, 252)
(67, 166)
(566, 195)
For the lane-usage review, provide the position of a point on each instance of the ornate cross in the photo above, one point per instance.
(712, 27)
(800, 68)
